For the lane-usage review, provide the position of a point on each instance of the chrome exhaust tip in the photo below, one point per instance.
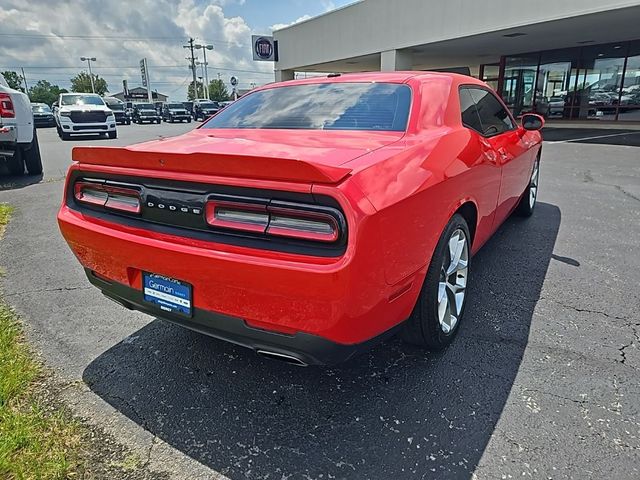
(283, 357)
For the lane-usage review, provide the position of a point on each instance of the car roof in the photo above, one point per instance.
(382, 77)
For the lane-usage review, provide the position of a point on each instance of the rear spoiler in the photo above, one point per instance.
(239, 166)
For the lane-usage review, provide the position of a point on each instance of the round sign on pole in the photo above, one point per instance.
(234, 81)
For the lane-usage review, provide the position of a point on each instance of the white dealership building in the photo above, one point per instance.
(571, 59)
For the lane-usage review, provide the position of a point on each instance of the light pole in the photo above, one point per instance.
(89, 60)
(206, 72)
(200, 78)
(202, 68)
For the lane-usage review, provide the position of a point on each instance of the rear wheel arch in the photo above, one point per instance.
(469, 211)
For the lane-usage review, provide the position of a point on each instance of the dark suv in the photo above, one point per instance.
(123, 117)
(145, 112)
(204, 109)
(175, 111)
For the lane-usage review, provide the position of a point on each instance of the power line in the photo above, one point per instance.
(57, 67)
(103, 37)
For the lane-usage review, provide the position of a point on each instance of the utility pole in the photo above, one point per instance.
(24, 78)
(193, 64)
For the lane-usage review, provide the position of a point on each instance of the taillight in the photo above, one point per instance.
(306, 225)
(304, 222)
(240, 216)
(6, 106)
(108, 196)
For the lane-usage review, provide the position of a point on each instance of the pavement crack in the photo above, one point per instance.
(623, 349)
(583, 310)
(44, 290)
(588, 178)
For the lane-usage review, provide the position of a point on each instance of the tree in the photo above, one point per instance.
(44, 92)
(14, 80)
(81, 83)
(218, 91)
(191, 95)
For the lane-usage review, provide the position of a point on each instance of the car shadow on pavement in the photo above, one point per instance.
(395, 412)
(12, 182)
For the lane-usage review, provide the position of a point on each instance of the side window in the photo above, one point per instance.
(470, 117)
(494, 117)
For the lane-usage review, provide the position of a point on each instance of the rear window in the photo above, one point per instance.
(323, 106)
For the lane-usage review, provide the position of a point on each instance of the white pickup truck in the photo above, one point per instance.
(80, 113)
(18, 140)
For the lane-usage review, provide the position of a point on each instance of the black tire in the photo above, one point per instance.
(112, 135)
(32, 157)
(65, 136)
(423, 326)
(188, 120)
(16, 163)
(529, 198)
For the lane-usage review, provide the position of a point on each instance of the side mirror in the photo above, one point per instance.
(532, 121)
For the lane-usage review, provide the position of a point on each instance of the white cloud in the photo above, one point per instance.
(57, 36)
(279, 26)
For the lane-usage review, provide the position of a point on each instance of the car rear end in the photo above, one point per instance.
(258, 238)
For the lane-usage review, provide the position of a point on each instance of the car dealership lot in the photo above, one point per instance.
(542, 380)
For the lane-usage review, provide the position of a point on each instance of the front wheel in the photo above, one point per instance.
(530, 195)
(435, 319)
(112, 135)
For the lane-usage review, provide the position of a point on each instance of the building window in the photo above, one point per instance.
(491, 75)
(630, 95)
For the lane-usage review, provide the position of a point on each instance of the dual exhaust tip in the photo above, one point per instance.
(282, 357)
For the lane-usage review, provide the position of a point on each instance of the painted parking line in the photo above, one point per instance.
(595, 137)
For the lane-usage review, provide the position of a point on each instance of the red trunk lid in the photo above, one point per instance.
(288, 155)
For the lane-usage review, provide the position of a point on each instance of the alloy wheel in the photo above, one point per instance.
(533, 184)
(453, 281)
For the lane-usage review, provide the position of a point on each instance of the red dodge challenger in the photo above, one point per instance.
(310, 218)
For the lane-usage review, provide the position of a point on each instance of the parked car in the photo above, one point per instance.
(83, 113)
(311, 218)
(19, 146)
(203, 108)
(122, 115)
(42, 115)
(145, 112)
(188, 107)
(175, 111)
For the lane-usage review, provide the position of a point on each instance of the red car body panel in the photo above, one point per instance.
(397, 190)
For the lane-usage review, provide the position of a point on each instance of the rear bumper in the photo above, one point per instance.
(306, 348)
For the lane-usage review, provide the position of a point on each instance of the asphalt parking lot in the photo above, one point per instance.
(542, 381)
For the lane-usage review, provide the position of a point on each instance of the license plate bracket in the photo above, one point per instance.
(167, 294)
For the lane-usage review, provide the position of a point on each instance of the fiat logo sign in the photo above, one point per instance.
(263, 48)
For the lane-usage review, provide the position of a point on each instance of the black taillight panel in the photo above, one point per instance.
(257, 218)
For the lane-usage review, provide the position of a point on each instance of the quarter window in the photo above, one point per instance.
(494, 118)
(470, 117)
